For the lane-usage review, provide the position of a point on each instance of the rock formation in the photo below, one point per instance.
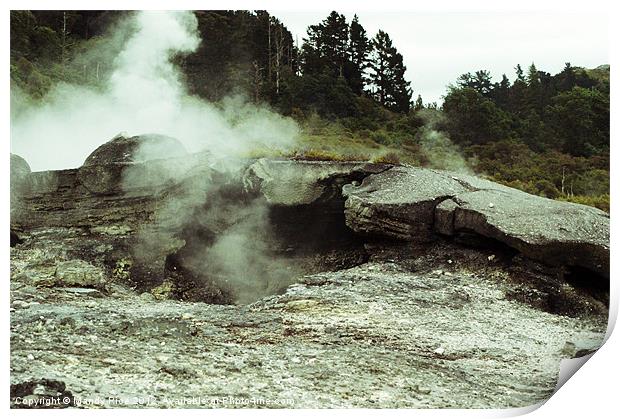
(421, 288)
(410, 203)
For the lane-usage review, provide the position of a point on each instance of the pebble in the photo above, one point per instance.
(20, 304)
(440, 351)
(421, 390)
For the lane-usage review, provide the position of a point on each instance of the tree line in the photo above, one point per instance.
(568, 111)
(249, 52)
(543, 133)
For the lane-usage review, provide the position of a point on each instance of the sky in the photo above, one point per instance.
(439, 46)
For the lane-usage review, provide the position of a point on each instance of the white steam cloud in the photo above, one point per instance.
(144, 94)
(437, 147)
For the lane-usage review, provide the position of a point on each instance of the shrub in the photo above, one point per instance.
(601, 202)
(323, 155)
(390, 158)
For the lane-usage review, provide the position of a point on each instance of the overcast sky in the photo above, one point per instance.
(439, 46)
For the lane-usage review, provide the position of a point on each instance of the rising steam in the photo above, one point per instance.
(437, 147)
(145, 93)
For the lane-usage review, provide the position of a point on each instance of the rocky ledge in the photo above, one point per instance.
(153, 280)
(411, 203)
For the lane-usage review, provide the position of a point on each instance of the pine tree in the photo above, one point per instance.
(567, 78)
(312, 61)
(480, 81)
(419, 104)
(388, 75)
(518, 93)
(382, 46)
(533, 79)
(519, 72)
(401, 92)
(335, 34)
(359, 50)
(325, 50)
(501, 92)
(534, 90)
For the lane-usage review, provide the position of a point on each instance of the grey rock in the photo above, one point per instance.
(79, 273)
(292, 182)
(398, 203)
(139, 148)
(87, 292)
(553, 232)
(20, 183)
(132, 162)
(412, 204)
(20, 172)
(368, 336)
(444, 217)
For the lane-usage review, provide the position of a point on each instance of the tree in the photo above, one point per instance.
(566, 80)
(388, 75)
(517, 103)
(359, 51)
(580, 117)
(500, 93)
(335, 41)
(473, 118)
(326, 47)
(480, 81)
(519, 72)
(532, 79)
(419, 104)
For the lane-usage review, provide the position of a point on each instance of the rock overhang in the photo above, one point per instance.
(408, 203)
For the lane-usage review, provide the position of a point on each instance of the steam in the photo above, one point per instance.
(240, 259)
(437, 147)
(144, 94)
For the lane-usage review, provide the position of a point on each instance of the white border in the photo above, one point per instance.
(593, 390)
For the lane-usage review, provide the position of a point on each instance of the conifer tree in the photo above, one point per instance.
(388, 75)
(359, 51)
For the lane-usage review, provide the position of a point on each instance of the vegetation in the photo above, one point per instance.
(542, 133)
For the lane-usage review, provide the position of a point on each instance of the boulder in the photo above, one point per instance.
(553, 232)
(413, 204)
(20, 170)
(105, 169)
(78, 273)
(20, 182)
(139, 148)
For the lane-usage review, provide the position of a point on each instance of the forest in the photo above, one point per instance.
(542, 133)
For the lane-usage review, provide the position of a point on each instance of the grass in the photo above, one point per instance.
(600, 201)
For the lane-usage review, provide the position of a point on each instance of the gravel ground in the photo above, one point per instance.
(377, 335)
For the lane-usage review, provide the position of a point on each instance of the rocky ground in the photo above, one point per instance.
(189, 282)
(387, 333)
